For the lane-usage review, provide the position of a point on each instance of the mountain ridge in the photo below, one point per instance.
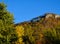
(46, 15)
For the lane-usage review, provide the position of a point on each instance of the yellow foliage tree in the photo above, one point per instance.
(20, 33)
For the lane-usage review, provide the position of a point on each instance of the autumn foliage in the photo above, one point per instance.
(42, 30)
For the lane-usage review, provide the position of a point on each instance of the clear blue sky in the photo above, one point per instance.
(24, 10)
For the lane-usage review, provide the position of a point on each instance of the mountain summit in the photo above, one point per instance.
(47, 15)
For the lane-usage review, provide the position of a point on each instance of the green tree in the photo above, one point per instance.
(7, 31)
(28, 37)
(52, 35)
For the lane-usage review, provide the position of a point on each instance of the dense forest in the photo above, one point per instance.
(40, 30)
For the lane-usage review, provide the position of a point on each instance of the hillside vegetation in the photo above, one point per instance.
(40, 30)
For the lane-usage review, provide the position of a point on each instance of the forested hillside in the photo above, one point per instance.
(40, 30)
